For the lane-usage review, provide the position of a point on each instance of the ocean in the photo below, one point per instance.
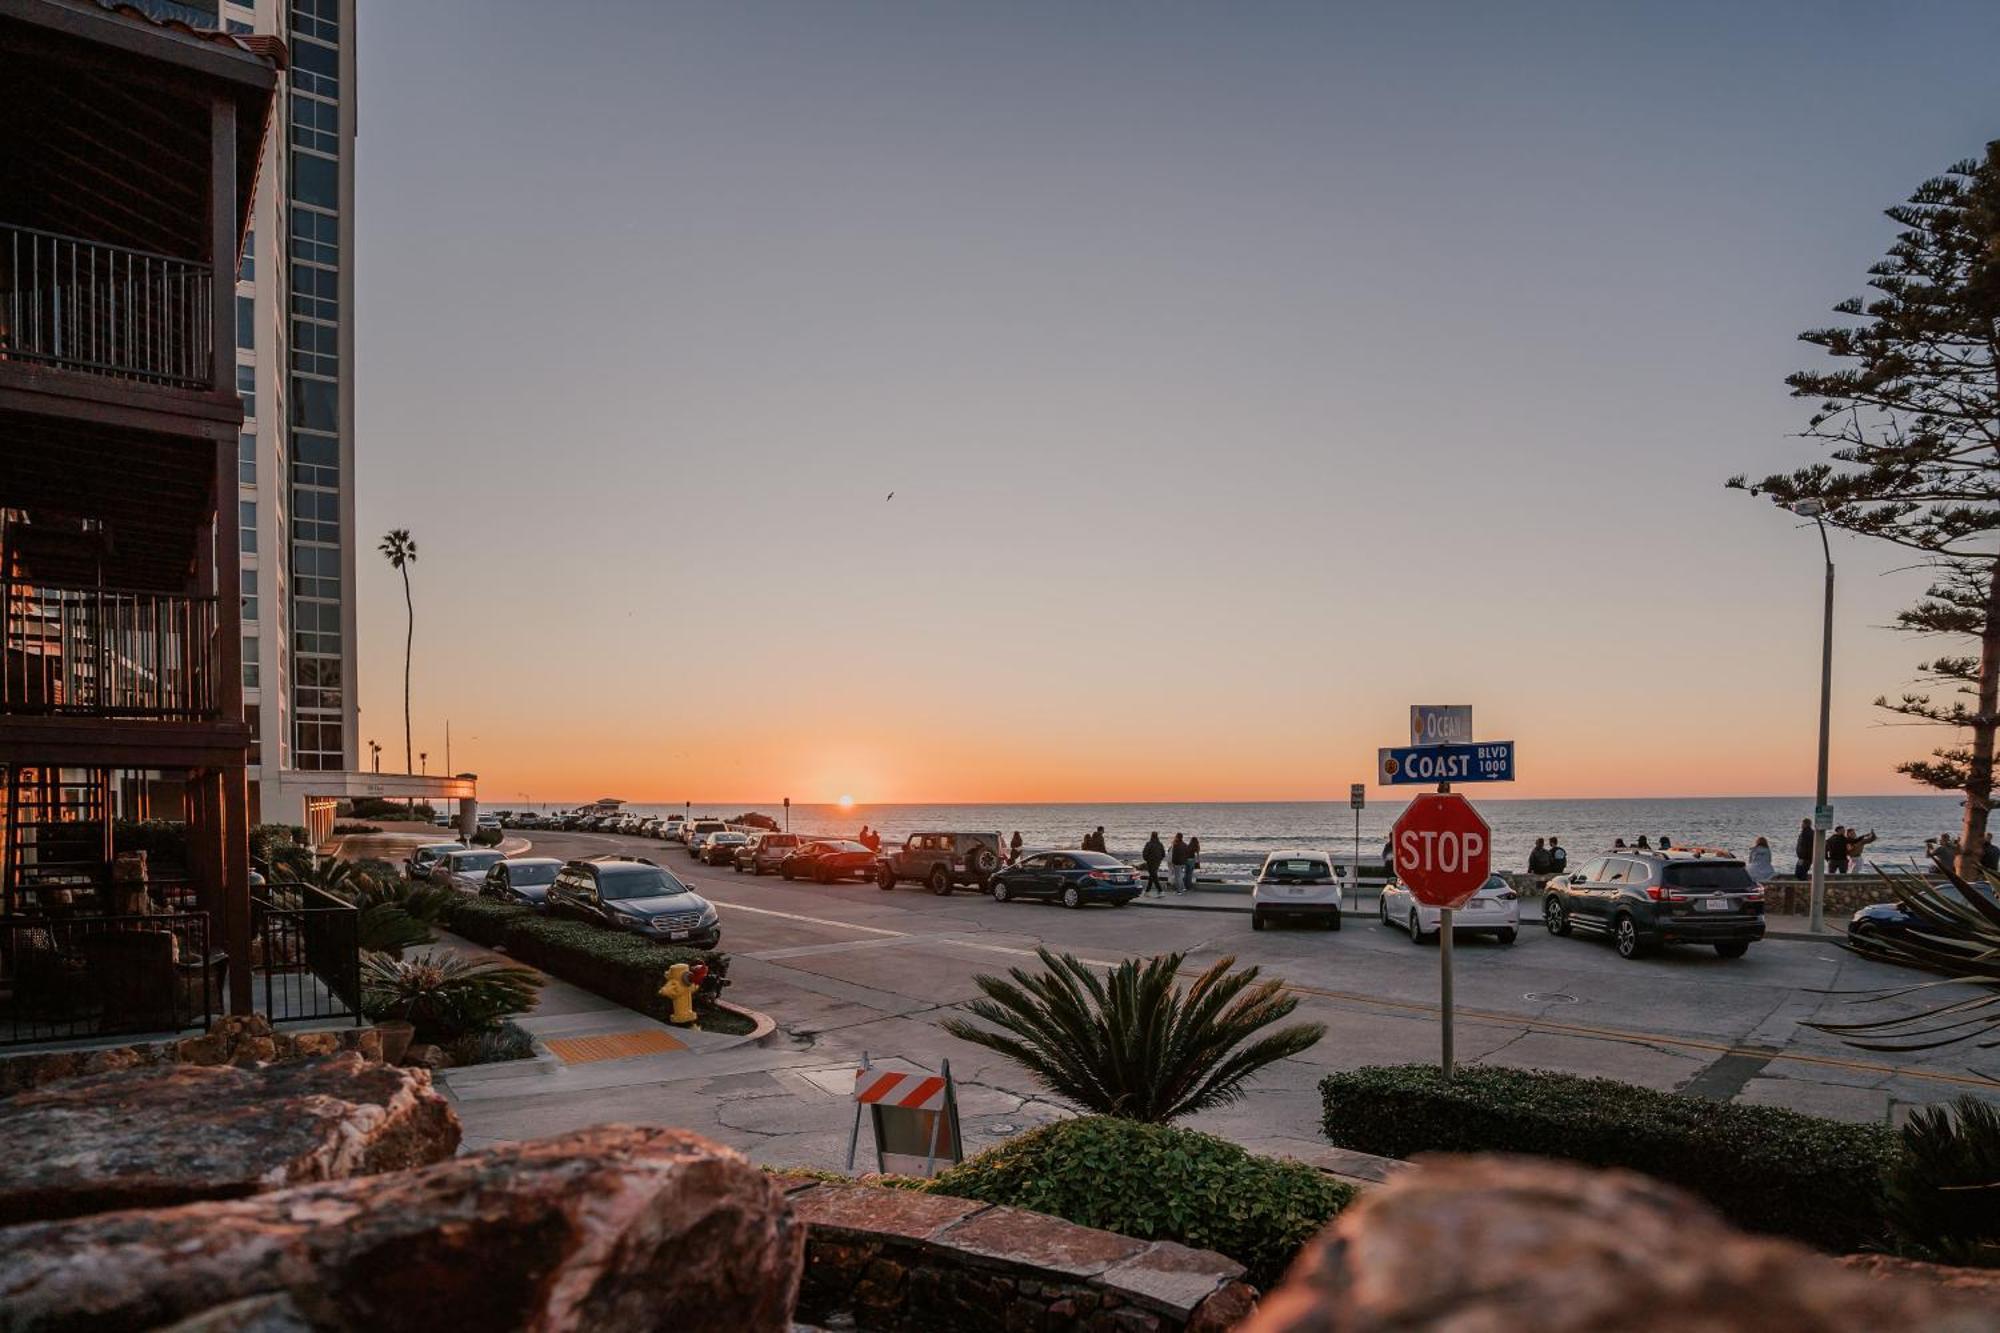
(1244, 831)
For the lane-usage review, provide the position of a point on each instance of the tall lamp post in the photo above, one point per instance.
(1822, 816)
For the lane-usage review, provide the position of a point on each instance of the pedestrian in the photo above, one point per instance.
(1804, 850)
(1188, 866)
(1758, 863)
(1098, 844)
(1558, 856)
(1642, 845)
(1666, 844)
(1857, 841)
(1177, 856)
(1836, 851)
(1014, 849)
(1538, 860)
(1618, 844)
(1153, 854)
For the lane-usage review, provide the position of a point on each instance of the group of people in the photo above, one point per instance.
(1843, 848)
(1181, 859)
(1550, 857)
(869, 838)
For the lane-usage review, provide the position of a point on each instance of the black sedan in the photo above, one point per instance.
(827, 860)
(1893, 932)
(522, 881)
(1070, 878)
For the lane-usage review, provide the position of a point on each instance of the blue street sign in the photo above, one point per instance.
(1486, 761)
(1440, 724)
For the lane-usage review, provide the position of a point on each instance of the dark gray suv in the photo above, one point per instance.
(1644, 899)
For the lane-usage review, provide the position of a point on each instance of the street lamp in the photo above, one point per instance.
(424, 762)
(1822, 815)
(375, 755)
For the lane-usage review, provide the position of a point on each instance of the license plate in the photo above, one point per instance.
(679, 934)
(1715, 904)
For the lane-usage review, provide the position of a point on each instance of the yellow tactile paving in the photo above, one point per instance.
(614, 1046)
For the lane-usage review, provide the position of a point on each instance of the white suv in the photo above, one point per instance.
(1296, 884)
(1494, 910)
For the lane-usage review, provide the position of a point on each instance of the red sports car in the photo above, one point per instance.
(827, 860)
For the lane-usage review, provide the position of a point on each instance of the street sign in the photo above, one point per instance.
(1822, 816)
(1440, 724)
(1357, 795)
(1486, 761)
(915, 1116)
(1443, 849)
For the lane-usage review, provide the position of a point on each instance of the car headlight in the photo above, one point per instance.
(709, 918)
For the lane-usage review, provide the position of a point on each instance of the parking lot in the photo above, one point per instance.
(847, 968)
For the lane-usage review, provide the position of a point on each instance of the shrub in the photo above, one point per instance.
(616, 964)
(387, 928)
(1135, 1043)
(273, 844)
(1943, 1193)
(443, 995)
(1157, 1182)
(162, 840)
(355, 828)
(1764, 1168)
(486, 837)
(506, 1042)
(483, 920)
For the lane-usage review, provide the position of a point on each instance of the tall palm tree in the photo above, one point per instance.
(1134, 1044)
(401, 552)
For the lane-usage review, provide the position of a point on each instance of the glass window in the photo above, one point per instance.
(246, 460)
(249, 594)
(316, 124)
(246, 388)
(315, 237)
(250, 662)
(246, 321)
(246, 519)
(1710, 875)
(315, 404)
(316, 180)
(623, 882)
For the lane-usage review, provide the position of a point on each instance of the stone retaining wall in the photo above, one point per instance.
(236, 1039)
(893, 1259)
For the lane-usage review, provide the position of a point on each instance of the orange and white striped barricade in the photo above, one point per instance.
(914, 1113)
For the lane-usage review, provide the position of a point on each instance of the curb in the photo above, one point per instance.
(767, 1026)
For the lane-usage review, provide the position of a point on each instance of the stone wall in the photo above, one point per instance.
(236, 1039)
(893, 1259)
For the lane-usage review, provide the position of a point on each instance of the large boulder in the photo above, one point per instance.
(171, 1134)
(1502, 1244)
(608, 1229)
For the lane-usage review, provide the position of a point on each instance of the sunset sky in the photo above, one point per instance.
(1243, 374)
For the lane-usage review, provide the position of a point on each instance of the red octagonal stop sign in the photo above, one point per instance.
(1443, 849)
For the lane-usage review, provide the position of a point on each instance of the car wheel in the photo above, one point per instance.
(1735, 949)
(1333, 922)
(1625, 934)
(786, 871)
(1256, 921)
(1507, 936)
(822, 875)
(885, 878)
(1000, 891)
(1416, 927)
(1382, 910)
(981, 861)
(1072, 896)
(1555, 916)
(940, 881)
(737, 866)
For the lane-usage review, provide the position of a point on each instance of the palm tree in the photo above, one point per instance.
(1134, 1044)
(401, 552)
(1958, 936)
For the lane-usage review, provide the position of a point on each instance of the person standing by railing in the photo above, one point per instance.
(1153, 854)
(1177, 856)
(1192, 863)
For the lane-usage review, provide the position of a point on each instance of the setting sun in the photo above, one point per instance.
(846, 802)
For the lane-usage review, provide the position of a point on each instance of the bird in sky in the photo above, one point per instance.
(890, 496)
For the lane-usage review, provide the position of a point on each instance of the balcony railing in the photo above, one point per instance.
(104, 652)
(68, 978)
(105, 309)
(306, 947)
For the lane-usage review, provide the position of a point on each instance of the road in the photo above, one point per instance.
(849, 968)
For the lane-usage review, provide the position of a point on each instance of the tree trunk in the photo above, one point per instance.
(409, 645)
(1979, 777)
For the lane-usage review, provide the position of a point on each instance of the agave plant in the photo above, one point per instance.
(1942, 1195)
(1958, 936)
(443, 995)
(1134, 1043)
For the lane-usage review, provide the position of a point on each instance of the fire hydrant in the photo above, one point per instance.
(681, 984)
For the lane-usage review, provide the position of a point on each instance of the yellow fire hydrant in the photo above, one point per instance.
(680, 988)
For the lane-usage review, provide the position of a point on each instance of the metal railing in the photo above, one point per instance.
(105, 309)
(105, 652)
(305, 953)
(63, 978)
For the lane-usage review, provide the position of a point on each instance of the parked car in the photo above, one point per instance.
(766, 852)
(442, 821)
(488, 820)
(671, 827)
(943, 861)
(648, 827)
(1644, 899)
(527, 819)
(631, 894)
(825, 860)
(417, 865)
(465, 869)
(1494, 910)
(1070, 878)
(699, 829)
(524, 879)
(719, 849)
(1870, 927)
(1296, 885)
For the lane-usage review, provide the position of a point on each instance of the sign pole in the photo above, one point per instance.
(1444, 983)
(1355, 882)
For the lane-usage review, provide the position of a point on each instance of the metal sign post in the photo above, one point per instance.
(1444, 987)
(915, 1117)
(1444, 853)
(1357, 796)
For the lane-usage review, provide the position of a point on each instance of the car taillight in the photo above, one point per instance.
(1653, 892)
(1507, 897)
(1099, 874)
(1754, 896)
(1673, 897)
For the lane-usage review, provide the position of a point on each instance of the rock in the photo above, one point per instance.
(1501, 1244)
(423, 1055)
(153, 1137)
(1980, 1283)
(277, 1313)
(609, 1229)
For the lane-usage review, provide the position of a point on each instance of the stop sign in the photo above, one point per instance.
(1443, 849)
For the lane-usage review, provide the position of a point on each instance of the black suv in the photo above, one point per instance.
(629, 893)
(1643, 899)
(944, 861)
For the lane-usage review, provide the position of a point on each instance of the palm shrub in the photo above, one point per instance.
(1943, 1190)
(1958, 936)
(387, 928)
(442, 995)
(1135, 1044)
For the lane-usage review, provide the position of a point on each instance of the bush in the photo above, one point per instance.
(162, 840)
(355, 828)
(483, 920)
(615, 964)
(275, 843)
(1156, 1182)
(443, 996)
(1944, 1190)
(506, 1042)
(1764, 1168)
(486, 837)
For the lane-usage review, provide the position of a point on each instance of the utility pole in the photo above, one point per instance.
(1822, 811)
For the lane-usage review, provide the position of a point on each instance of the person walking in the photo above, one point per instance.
(1804, 850)
(1558, 856)
(1538, 860)
(1758, 863)
(1153, 854)
(1188, 866)
(1014, 849)
(1836, 851)
(1177, 855)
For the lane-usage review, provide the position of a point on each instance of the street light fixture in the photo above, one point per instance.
(1822, 813)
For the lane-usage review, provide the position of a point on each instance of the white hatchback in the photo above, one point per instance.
(1296, 885)
(1494, 910)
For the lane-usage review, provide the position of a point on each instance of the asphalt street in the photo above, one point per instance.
(850, 968)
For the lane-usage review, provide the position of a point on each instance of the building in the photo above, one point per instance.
(128, 158)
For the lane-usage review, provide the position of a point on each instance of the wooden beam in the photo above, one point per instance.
(234, 883)
(222, 239)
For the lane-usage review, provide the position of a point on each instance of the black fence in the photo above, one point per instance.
(105, 309)
(306, 953)
(67, 978)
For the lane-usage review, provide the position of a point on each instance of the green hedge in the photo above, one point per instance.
(1157, 1182)
(484, 920)
(1764, 1168)
(616, 964)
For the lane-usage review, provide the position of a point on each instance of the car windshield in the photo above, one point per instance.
(480, 861)
(1297, 866)
(1097, 861)
(1709, 875)
(520, 873)
(731, 837)
(840, 847)
(621, 882)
